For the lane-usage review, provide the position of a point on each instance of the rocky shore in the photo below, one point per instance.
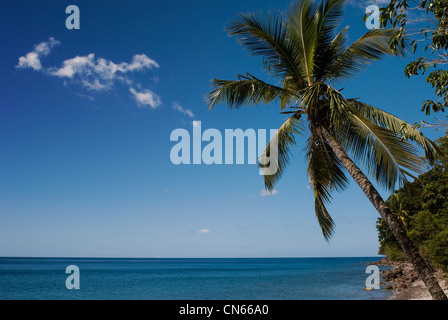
(404, 280)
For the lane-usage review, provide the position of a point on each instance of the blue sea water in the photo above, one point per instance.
(188, 279)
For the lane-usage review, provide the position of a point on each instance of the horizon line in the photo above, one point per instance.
(280, 257)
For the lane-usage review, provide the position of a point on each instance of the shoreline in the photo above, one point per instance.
(404, 281)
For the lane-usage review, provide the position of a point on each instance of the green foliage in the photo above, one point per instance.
(422, 208)
(423, 23)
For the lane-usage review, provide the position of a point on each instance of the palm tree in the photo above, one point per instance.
(303, 53)
(395, 204)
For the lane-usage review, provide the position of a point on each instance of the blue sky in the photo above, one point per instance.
(85, 123)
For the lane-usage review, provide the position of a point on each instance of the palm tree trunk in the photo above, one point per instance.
(397, 230)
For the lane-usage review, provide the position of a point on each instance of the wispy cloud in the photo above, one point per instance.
(99, 73)
(32, 59)
(202, 231)
(71, 67)
(100, 68)
(266, 193)
(178, 107)
(94, 73)
(146, 98)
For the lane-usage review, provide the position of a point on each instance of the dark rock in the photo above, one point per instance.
(402, 286)
(382, 262)
(391, 274)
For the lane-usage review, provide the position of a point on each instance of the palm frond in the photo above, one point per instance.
(267, 36)
(387, 157)
(278, 150)
(290, 85)
(303, 28)
(370, 47)
(398, 126)
(325, 58)
(326, 174)
(247, 90)
(324, 219)
(385, 154)
(330, 14)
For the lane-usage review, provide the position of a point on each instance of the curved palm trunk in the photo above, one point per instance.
(372, 194)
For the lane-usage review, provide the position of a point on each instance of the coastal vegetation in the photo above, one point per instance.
(421, 207)
(306, 55)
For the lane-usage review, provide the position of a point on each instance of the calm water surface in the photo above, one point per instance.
(189, 279)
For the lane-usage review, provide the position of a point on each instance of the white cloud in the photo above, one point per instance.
(99, 73)
(32, 59)
(102, 68)
(203, 231)
(95, 73)
(178, 107)
(139, 62)
(76, 65)
(146, 97)
(266, 193)
(95, 85)
(44, 48)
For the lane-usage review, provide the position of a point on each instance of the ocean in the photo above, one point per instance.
(187, 279)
